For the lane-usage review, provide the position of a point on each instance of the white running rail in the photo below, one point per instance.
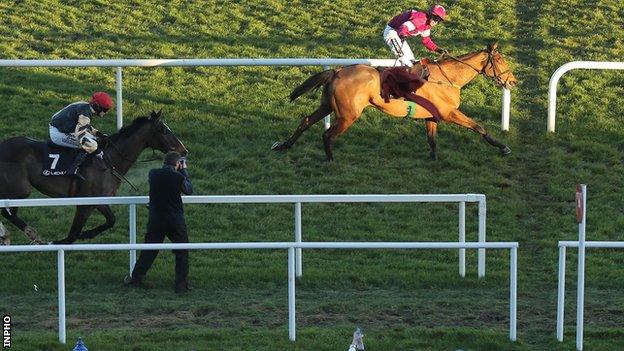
(291, 247)
(561, 283)
(120, 63)
(554, 79)
(297, 200)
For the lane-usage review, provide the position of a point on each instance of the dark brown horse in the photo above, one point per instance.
(347, 91)
(21, 163)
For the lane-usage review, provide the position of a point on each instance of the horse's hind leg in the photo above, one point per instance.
(5, 236)
(432, 129)
(461, 119)
(305, 123)
(347, 110)
(339, 126)
(80, 218)
(108, 214)
(11, 215)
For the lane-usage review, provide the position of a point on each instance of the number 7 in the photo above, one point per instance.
(56, 158)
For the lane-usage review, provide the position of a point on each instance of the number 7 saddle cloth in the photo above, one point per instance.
(57, 159)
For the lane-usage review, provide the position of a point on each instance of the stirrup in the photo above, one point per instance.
(74, 172)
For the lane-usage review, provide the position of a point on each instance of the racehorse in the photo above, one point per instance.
(348, 90)
(21, 165)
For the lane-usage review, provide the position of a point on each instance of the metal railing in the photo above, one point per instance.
(297, 200)
(120, 63)
(291, 247)
(561, 284)
(554, 79)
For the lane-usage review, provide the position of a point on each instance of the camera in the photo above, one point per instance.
(182, 162)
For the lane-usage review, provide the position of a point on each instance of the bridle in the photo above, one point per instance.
(160, 127)
(496, 76)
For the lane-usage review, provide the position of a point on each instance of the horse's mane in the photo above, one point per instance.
(460, 57)
(130, 129)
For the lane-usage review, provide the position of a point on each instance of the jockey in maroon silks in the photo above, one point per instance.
(412, 23)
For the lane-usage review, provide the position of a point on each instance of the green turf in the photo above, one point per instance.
(229, 118)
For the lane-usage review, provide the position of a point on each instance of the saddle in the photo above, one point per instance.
(403, 82)
(57, 159)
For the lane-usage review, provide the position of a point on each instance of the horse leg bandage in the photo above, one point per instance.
(411, 109)
(5, 237)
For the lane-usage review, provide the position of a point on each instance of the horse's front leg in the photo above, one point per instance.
(108, 214)
(11, 215)
(457, 117)
(432, 129)
(80, 218)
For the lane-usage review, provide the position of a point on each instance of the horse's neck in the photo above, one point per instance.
(124, 151)
(462, 73)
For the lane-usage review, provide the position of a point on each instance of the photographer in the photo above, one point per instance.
(166, 218)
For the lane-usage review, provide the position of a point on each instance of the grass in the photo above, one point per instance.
(229, 117)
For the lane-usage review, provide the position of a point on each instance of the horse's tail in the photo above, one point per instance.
(313, 83)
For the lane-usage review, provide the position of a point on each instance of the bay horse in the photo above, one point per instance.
(348, 90)
(21, 165)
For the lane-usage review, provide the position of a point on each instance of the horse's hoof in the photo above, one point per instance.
(61, 242)
(89, 234)
(433, 156)
(31, 233)
(278, 146)
(505, 151)
(5, 236)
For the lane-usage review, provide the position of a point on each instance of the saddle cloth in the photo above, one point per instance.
(57, 159)
(401, 82)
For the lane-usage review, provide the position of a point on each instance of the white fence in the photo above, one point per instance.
(297, 200)
(291, 247)
(554, 79)
(119, 63)
(561, 284)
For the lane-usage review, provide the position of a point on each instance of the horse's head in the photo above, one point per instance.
(497, 68)
(161, 137)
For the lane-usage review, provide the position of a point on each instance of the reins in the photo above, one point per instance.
(112, 167)
(114, 170)
(490, 61)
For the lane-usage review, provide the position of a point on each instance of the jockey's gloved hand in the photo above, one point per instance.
(101, 135)
(443, 52)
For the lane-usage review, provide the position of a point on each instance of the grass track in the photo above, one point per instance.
(229, 117)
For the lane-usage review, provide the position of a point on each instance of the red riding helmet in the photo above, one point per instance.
(438, 11)
(101, 99)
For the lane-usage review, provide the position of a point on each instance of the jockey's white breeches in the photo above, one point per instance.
(77, 140)
(399, 47)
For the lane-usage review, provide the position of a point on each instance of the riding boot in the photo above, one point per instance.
(73, 169)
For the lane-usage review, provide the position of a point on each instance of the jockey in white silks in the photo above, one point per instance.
(71, 127)
(413, 23)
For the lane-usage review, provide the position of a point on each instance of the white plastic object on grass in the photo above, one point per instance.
(357, 343)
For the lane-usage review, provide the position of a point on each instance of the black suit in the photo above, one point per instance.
(166, 218)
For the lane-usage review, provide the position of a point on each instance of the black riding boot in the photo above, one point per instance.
(73, 169)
